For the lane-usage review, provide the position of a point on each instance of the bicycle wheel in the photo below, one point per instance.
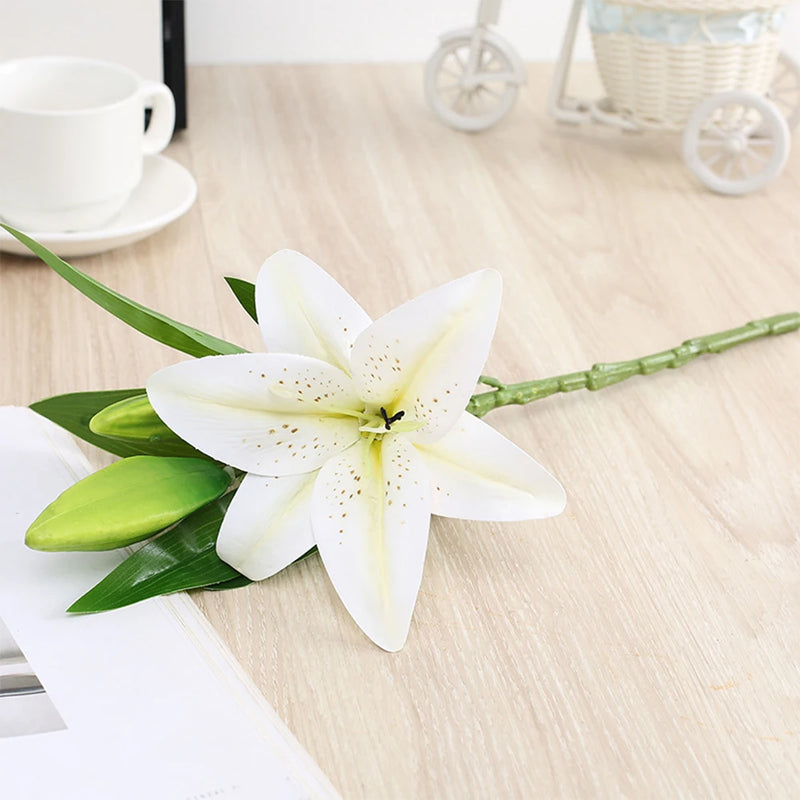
(736, 142)
(470, 102)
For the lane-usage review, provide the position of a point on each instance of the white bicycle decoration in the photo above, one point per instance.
(735, 141)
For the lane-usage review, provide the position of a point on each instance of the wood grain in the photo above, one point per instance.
(642, 644)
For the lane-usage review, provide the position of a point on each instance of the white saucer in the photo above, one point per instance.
(166, 192)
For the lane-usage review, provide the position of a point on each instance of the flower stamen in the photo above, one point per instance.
(387, 420)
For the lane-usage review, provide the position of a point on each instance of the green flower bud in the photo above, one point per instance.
(126, 502)
(132, 419)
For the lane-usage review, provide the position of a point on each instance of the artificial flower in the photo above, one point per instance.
(352, 433)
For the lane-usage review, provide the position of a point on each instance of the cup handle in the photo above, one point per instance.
(162, 119)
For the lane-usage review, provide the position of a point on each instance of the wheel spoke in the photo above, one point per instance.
(450, 73)
(756, 128)
(741, 162)
(453, 69)
(727, 117)
(500, 84)
(471, 95)
(728, 168)
(760, 141)
(490, 91)
(735, 142)
(714, 158)
(462, 61)
(757, 157)
(448, 88)
(487, 59)
(715, 131)
(474, 102)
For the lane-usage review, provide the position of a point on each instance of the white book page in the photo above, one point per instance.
(141, 702)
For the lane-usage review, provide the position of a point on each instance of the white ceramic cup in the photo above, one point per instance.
(72, 140)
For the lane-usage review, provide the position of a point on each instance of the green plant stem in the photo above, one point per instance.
(602, 375)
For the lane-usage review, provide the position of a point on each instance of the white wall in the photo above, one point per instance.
(126, 31)
(355, 30)
(220, 31)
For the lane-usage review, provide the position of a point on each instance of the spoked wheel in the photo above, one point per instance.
(784, 90)
(467, 100)
(736, 142)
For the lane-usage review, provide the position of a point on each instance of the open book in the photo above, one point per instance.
(143, 702)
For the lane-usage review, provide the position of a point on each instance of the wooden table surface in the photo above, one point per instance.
(642, 644)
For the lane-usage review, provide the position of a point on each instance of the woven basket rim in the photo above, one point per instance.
(702, 6)
(659, 44)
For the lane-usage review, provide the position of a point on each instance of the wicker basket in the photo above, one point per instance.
(658, 84)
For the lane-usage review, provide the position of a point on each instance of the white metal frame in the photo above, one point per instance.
(755, 144)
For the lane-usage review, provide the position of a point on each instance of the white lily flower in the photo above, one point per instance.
(352, 433)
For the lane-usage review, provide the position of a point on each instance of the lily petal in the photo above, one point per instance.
(271, 414)
(476, 473)
(267, 525)
(302, 309)
(424, 357)
(371, 515)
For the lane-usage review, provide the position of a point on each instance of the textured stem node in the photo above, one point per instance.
(602, 375)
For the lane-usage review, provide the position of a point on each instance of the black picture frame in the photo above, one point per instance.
(174, 43)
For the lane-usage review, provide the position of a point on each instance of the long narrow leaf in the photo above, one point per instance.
(73, 412)
(135, 422)
(246, 295)
(233, 583)
(151, 323)
(183, 557)
(242, 580)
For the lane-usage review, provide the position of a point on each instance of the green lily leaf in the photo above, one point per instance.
(126, 502)
(233, 583)
(183, 557)
(134, 420)
(242, 580)
(151, 323)
(245, 293)
(74, 412)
